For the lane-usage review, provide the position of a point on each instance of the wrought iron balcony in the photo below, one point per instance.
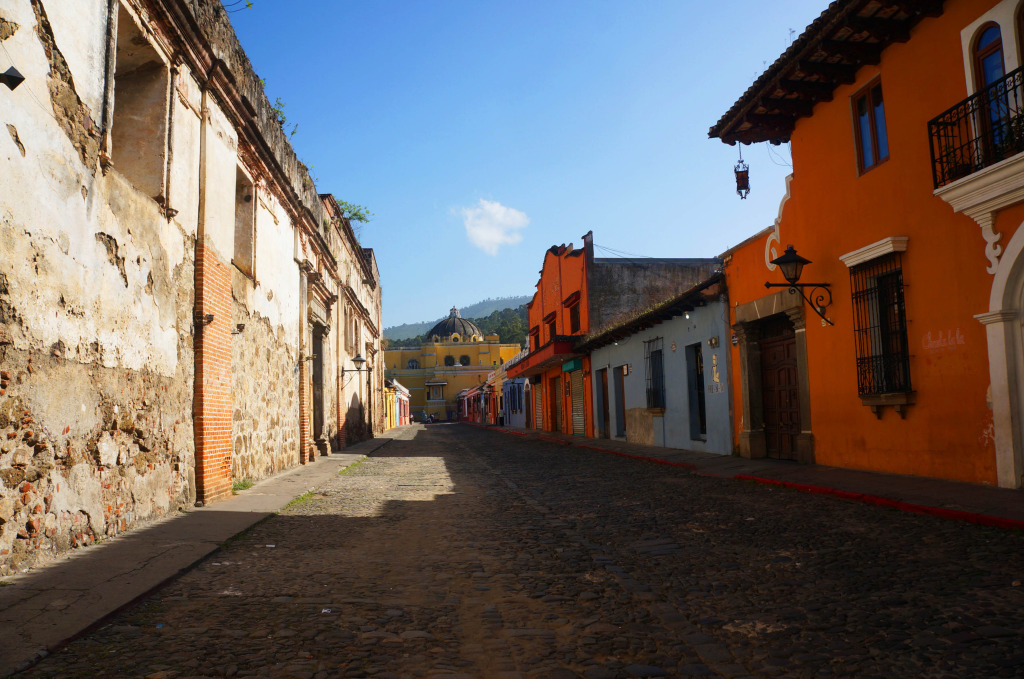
(980, 131)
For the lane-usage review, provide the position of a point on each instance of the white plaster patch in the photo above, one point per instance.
(79, 29)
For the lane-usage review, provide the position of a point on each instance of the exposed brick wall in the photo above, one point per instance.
(305, 443)
(212, 406)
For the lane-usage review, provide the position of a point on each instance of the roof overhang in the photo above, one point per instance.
(847, 35)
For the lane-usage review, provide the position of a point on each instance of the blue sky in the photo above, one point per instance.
(481, 133)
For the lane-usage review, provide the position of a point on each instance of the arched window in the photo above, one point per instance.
(413, 364)
(464, 359)
(455, 338)
(449, 360)
(988, 56)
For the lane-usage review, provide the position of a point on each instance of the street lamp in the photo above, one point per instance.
(358, 361)
(792, 265)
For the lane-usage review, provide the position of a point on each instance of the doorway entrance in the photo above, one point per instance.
(780, 389)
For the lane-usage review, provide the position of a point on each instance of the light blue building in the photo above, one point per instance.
(515, 401)
(661, 377)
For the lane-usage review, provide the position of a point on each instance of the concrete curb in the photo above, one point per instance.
(44, 610)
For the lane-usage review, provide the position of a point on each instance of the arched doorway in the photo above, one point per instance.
(1006, 361)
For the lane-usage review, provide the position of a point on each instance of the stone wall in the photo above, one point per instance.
(265, 390)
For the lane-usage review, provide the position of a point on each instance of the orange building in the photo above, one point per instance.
(559, 314)
(906, 195)
(579, 295)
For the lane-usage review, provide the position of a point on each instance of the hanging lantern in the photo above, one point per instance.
(742, 176)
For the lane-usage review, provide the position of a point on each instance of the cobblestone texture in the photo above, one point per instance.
(455, 552)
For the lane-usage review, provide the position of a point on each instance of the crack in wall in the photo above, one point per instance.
(69, 109)
(17, 140)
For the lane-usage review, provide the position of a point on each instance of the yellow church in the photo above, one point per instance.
(455, 356)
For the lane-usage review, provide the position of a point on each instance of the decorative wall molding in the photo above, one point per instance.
(770, 252)
(982, 194)
(875, 250)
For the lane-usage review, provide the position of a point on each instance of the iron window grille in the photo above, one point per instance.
(880, 326)
(654, 360)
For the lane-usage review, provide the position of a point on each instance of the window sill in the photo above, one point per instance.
(898, 400)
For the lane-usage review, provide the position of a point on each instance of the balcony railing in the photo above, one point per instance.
(980, 131)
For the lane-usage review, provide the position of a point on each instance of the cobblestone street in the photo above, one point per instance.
(460, 552)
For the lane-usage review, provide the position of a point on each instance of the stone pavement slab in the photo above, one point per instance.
(45, 608)
(976, 503)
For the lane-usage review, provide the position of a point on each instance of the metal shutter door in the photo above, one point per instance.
(576, 384)
(538, 408)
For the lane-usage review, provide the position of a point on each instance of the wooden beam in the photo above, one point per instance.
(845, 74)
(926, 8)
(771, 121)
(796, 107)
(864, 53)
(815, 91)
(890, 30)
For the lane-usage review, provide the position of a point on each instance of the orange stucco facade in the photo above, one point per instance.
(832, 209)
(558, 315)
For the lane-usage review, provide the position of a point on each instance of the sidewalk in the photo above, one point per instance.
(983, 505)
(47, 607)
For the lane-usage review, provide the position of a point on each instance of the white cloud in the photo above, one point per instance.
(489, 225)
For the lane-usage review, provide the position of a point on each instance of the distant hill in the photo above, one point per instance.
(474, 311)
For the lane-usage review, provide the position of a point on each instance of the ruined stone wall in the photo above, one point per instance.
(95, 309)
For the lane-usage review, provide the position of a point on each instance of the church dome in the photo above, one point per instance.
(455, 324)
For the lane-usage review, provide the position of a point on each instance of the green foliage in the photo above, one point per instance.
(243, 484)
(354, 213)
(302, 499)
(351, 468)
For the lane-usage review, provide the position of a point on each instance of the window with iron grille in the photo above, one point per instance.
(880, 325)
(654, 360)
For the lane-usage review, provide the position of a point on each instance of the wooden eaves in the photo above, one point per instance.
(847, 35)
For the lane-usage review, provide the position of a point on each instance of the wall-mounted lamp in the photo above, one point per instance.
(238, 329)
(11, 78)
(358, 362)
(792, 265)
(202, 319)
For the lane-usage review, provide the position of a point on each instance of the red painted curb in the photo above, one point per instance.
(879, 501)
(552, 439)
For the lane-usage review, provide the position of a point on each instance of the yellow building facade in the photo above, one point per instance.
(456, 356)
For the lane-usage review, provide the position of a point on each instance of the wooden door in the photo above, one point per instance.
(555, 391)
(780, 382)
